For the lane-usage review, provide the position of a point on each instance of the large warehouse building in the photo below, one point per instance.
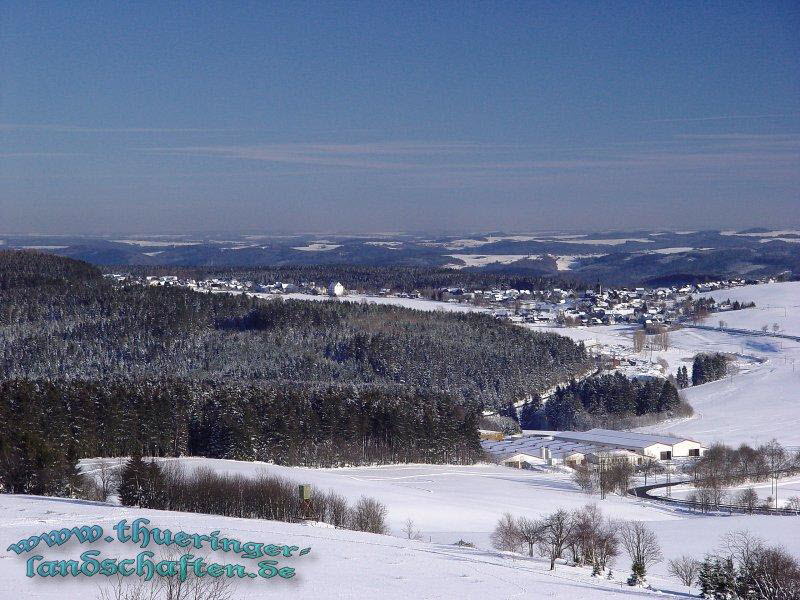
(573, 448)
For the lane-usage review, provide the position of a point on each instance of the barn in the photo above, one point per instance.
(656, 446)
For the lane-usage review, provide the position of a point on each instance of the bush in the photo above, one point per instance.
(369, 515)
(150, 485)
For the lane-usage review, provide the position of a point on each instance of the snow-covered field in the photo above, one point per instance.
(754, 405)
(415, 303)
(481, 260)
(775, 303)
(788, 487)
(448, 503)
(340, 565)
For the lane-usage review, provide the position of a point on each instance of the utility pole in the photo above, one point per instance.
(669, 487)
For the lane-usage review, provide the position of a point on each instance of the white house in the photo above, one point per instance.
(336, 289)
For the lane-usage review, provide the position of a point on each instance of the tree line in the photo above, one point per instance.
(601, 401)
(45, 427)
(743, 568)
(150, 484)
(722, 467)
(708, 367)
(585, 535)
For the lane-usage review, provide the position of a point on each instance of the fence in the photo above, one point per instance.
(643, 491)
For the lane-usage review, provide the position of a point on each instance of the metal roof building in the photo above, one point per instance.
(575, 447)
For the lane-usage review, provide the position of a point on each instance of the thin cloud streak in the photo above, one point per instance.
(40, 154)
(721, 118)
(712, 152)
(79, 129)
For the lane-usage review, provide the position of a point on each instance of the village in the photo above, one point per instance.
(650, 307)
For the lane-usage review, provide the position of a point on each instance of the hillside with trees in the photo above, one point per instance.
(92, 328)
(92, 367)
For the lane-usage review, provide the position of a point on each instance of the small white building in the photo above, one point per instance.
(336, 289)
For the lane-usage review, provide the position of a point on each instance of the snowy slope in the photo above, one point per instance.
(341, 564)
(754, 405)
(448, 503)
(775, 303)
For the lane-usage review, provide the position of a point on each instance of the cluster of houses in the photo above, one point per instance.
(556, 306)
(218, 285)
(663, 305)
(575, 448)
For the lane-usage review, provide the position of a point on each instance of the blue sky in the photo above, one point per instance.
(383, 116)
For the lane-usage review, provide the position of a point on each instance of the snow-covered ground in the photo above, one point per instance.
(415, 303)
(448, 503)
(481, 260)
(775, 303)
(753, 405)
(340, 565)
(788, 487)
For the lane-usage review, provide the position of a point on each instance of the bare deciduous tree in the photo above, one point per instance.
(530, 532)
(684, 568)
(639, 338)
(410, 530)
(642, 547)
(369, 515)
(169, 587)
(108, 477)
(747, 499)
(585, 479)
(506, 534)
(556, 536)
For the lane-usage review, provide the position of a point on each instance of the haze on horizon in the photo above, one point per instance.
(380, 116)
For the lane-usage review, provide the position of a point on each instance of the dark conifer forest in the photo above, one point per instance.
(91, 367)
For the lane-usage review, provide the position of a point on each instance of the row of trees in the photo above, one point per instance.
(148, 484)
(45, 427)
(722, 466)
(745, 567)
(602, 400)
(708, 367)
(607, 477)
(585, 535)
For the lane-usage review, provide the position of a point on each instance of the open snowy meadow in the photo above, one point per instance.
(341, 564)
(446, 503)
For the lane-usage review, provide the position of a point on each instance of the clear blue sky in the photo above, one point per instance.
(385, 116)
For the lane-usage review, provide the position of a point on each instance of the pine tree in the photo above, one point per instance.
(638, 573)
(528, 417)
(725, 585)
(698, 370)
(154, 493)
(132, 481)
(682, 377)
(707, 578)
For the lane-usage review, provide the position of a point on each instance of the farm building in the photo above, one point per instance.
(573, 448)
(657, 446)
(570, 455)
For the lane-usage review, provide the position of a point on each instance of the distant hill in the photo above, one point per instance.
(622, 258)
